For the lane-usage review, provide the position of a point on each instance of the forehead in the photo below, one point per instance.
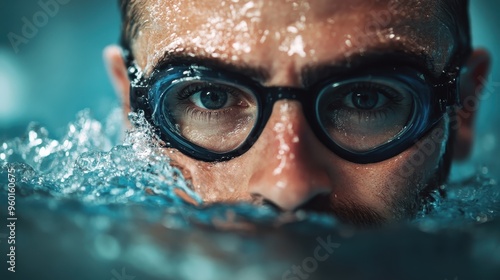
(269, 32)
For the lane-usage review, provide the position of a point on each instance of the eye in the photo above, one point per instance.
(215, 115)
(361, 114)
(365, 100)
(366, 96)
(210, 98)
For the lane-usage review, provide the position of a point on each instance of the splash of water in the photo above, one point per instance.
(475, 200)
(89, 166)
(120, 198)
(85, 165)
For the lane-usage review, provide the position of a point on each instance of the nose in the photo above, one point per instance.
(292, 166)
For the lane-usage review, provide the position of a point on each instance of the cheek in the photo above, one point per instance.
(385, 184)
(214, 182)
(422, 160)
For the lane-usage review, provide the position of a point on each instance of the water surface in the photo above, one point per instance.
(92, 206)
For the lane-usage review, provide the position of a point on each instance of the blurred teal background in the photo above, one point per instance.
(60, 70)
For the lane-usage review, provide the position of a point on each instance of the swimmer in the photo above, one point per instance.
(352, 108)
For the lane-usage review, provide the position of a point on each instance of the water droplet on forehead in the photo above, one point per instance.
(292, 29)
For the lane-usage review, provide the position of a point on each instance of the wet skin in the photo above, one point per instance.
(288, 167)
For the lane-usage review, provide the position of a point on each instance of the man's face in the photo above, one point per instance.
(288, 166)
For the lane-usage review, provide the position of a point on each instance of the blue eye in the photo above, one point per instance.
(363, 113)
(365, 100)
(212, 114)
(368, 97)
(210, 98)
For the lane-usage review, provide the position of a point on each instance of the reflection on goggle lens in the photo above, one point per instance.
(361, 115)
(215, 116)
(357, 114)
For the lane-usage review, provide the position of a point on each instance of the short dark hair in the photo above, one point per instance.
(454, 13)
(130, 21)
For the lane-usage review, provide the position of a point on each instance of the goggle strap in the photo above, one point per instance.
(138, 98)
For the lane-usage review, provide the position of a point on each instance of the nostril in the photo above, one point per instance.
(319, 202)
(272, 205)
(259, 200)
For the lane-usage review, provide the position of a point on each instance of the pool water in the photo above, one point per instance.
(93, 206)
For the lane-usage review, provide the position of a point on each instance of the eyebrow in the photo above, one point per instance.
(384, 55)
(257, 73)
(371, 59)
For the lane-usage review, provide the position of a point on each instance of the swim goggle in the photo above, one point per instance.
(365, 115)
